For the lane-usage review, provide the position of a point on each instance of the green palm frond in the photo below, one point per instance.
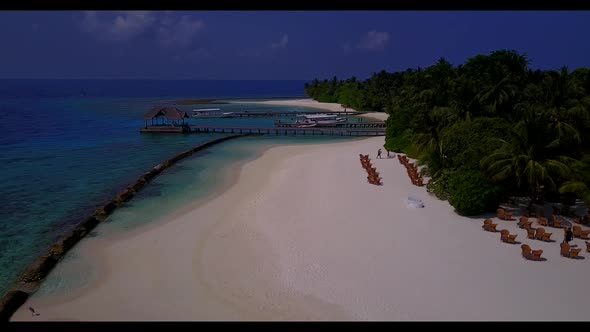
(566, 130)
(502, 173)
(499, 163)
(577, 187)
(569, 161)
(553, 144)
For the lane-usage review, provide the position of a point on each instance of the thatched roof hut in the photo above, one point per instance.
(168, 113)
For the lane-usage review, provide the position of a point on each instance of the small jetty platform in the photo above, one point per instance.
(277, 131)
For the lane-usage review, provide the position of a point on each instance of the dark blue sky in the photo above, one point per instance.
(276, 45)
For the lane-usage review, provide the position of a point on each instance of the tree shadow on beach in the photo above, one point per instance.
(489, 215)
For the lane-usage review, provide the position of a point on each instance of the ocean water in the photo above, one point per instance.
(66, 147)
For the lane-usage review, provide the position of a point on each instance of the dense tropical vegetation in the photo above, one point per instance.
(486, 129)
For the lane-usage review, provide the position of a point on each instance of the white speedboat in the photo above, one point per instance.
(211, 113)
(296, 124)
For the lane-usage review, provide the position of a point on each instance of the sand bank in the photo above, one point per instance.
(301, 235)
(332, 107)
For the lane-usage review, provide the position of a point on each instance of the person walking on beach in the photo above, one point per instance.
(33, 313)
(568, 235)
(379, 154)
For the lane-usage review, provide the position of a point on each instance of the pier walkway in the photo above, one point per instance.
(277, 131)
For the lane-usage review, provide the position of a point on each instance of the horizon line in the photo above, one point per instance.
(146, 79)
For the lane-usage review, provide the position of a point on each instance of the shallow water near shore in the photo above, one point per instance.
(188, 182)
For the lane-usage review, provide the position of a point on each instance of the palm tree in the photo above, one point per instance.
(427, 141)
(561, 87)
(464, 97)
(530, 157)
(499, 95)
(579, 184)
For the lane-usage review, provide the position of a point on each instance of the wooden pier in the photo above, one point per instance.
(277, 131)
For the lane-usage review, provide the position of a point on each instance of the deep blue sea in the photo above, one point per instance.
(67, 146)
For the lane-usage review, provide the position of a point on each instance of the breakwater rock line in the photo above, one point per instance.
(30, 281)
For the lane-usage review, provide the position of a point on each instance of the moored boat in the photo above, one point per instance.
(324, 119)
(211, 113)
(296, 124)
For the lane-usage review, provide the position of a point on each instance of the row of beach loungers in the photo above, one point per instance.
(373, 175)
(538, 233)
(412, 171)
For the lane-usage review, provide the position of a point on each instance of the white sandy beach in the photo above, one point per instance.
(301, 235)
(331, 107)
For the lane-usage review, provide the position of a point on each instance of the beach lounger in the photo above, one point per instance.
(543, 221)
(580, 233)
(574, 252)
(489, 226)
(539, 233)
(506, 237)
(564, 249)
(542, 235)
(527, 253)
(502, 214)
(526, 250)
(530, 233)
(512, 238)
(536, 255)
(557, 222)
(577, 230)
(374, 180)
(568, 251)
(524, 223)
